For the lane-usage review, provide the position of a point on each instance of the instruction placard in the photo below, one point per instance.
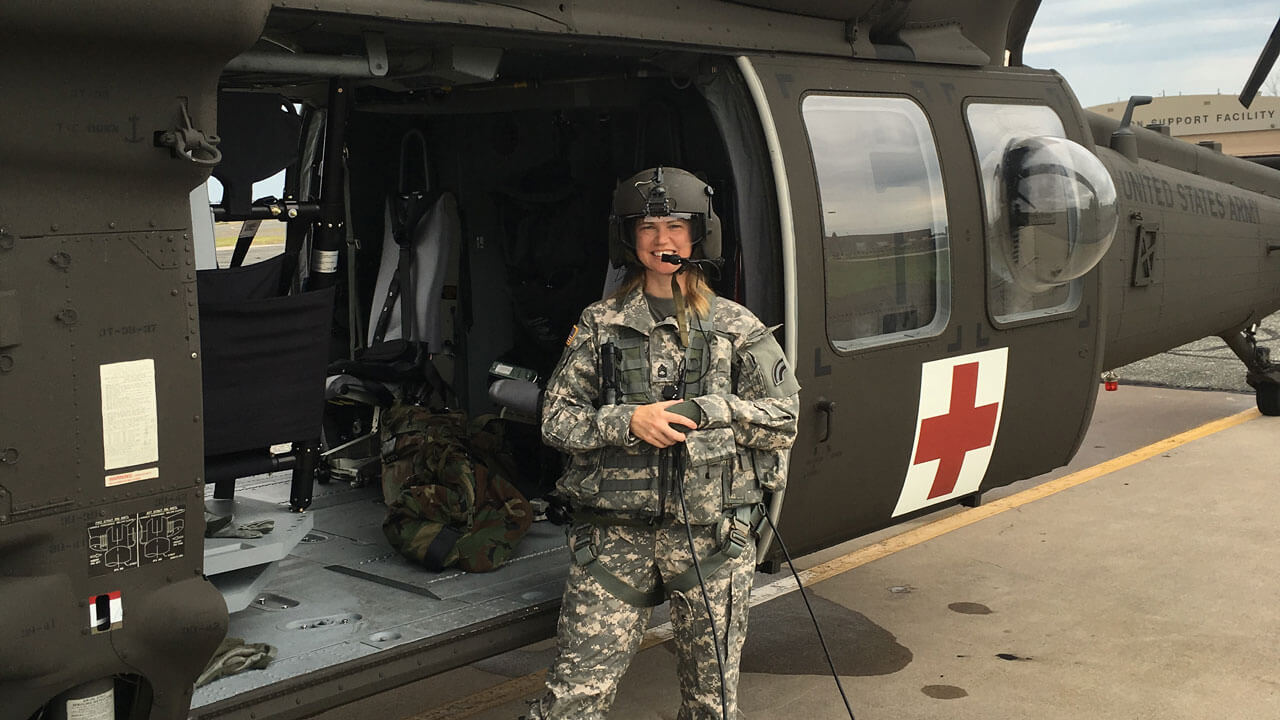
(129, 425)
(131, 541)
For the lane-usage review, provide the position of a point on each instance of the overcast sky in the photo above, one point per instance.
(1111, 49)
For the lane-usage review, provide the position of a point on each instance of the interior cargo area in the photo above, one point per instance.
(528, 142)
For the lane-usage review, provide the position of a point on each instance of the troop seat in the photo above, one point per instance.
(264, 359)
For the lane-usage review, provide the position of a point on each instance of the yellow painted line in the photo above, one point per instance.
(531, 685)
(942, 526)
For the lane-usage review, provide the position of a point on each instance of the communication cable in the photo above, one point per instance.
(805, 596)
(714, 266)
(678, 468)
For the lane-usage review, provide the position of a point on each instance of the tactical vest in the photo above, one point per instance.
(631, 480)
(634, 385)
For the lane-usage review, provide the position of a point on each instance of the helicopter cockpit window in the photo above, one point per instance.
(885, 248)
(1050, 210)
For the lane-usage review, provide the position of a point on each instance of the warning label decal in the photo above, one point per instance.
(125, 478)
(132, 541)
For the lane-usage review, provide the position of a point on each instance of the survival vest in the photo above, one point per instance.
(630, 480)
(450, 501)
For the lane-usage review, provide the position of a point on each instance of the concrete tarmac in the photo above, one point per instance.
(1206, 364)
(1146, 592)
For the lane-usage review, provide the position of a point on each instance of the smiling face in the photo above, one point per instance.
(656, 236)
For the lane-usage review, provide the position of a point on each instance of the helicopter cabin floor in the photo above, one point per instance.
(343, 593)
(1145, 592)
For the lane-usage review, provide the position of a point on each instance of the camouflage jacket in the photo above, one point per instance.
(749, 403)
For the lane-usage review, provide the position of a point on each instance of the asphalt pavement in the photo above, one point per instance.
(1206, 364)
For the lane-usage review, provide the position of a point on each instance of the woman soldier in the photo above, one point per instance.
(676, 408)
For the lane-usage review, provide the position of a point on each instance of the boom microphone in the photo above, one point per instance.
(709, 266)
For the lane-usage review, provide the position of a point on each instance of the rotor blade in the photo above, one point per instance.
(1260, 71)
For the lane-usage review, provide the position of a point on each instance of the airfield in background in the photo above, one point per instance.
(1206, 364)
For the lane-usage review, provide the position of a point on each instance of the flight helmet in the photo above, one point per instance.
(662, 192)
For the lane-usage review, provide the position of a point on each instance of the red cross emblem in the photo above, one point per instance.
(947, 438)
(957, 423)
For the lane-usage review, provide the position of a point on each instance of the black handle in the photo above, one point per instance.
(828, 408)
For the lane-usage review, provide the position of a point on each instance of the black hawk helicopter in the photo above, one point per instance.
(955, 249)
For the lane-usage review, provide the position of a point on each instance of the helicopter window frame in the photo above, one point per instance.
(887, 172)
(987, 147)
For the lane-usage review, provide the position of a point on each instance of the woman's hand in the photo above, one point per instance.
(652, 424)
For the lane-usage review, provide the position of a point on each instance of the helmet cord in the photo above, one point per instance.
(678, 296)
(821, 640)
(702, 585)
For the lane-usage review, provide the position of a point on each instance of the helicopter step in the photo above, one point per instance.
(241, 559)
(343, 607)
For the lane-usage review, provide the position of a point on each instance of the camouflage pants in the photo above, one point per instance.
(599, 634)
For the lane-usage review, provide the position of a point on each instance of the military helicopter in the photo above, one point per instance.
(954, 248)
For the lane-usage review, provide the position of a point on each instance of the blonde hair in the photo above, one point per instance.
(697, 291)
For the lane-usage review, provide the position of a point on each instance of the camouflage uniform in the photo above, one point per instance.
(739, 449)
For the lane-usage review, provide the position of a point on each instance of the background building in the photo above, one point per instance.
(1252, 133)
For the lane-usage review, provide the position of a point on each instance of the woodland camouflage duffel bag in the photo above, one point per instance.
(445, 483)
